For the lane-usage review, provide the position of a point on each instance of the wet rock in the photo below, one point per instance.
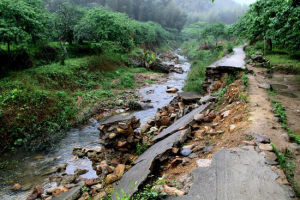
(232, 127)
(101, 195)
(198, 117)
(175, 150)
(92, 181)
(190, 146)
(71, 194)
(119, 171)
(59, 190)
(189, 97)
(111, 178)
(37, 192)
(225, 114)
(81, 171)
(203, 162)
(207, 149)
(249, 143)
(265, 147)
(16, 187)
(172, 90)
(262, 139)
(173, 191)
(265, 86)
(206, 99)
(69, 178)
(186, 152)
(175, 162)
(193, 155)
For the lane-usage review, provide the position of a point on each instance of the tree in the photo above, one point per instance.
(274, 21)
(66, 18)
(21, 22)
(217, 31)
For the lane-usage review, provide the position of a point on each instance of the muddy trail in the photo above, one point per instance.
(31, 169)
(184, 145)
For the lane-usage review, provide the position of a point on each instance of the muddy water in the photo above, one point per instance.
(27, 169)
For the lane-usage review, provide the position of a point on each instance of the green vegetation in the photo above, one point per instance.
(39, 102)
(205, 43)
(140, 148)
(288, 166)
(280, 113)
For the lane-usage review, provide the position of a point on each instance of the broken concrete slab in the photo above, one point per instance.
(236, 174)
(189, 96)
(183, 121)
(117, 118)
(72, 194)
(133, 178)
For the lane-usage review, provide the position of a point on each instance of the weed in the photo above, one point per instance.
(243, 97)
(245, 80)
(84, 189)
(140, 148)
(127, 81)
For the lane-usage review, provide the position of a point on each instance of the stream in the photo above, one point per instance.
(27, 168)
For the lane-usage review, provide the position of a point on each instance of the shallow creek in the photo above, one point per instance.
(27, 169)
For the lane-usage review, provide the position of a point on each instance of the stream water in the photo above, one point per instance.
(27, 169)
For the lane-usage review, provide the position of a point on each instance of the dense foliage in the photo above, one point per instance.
(274, 21)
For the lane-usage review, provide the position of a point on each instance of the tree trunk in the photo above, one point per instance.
(63, 57)
(8, 47)
(270, 45)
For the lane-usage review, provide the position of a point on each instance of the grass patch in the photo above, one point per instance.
(285, 63)
(287, 166)
(37, 103)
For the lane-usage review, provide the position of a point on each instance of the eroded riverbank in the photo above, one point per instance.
(27, 169)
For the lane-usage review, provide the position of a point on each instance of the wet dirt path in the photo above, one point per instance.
(262, 117)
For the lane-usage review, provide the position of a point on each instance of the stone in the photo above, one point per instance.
(203, 162)
(165, 121)
(101, 195)
(59, 190)
(122, 131)
(91, 181)
(199, 133)
(175, 150)
(111, 178)
(175, 162)
(232, 127)
(172, 90)
(250, 143)
(193, 155)
(37, 192)
(186, 152)
(265, 86)
(262, 139)
(207, 149)
(71, 194)
(265, 147)
(81, 171)
(206, 99)
(190, 146)
(181, 105)
(189, 96)
(198, 117)
(69, 178)
(16, 187)
(225, 114)
(112, 136)
(198, 148)
(282, 178)
(121, 143)
(152, 130)
(173, 191)
(119, 171)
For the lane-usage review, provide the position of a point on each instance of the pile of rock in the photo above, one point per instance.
(120, 134)
(166, 116)
(169, 57)
(258, 60)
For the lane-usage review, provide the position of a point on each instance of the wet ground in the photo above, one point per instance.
(27, 169)
(288, 93)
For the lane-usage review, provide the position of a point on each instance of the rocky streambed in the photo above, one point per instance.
(27, 170)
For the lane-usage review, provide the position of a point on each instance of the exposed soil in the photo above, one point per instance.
(262, 118)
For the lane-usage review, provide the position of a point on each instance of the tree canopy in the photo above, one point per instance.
(276, 21)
